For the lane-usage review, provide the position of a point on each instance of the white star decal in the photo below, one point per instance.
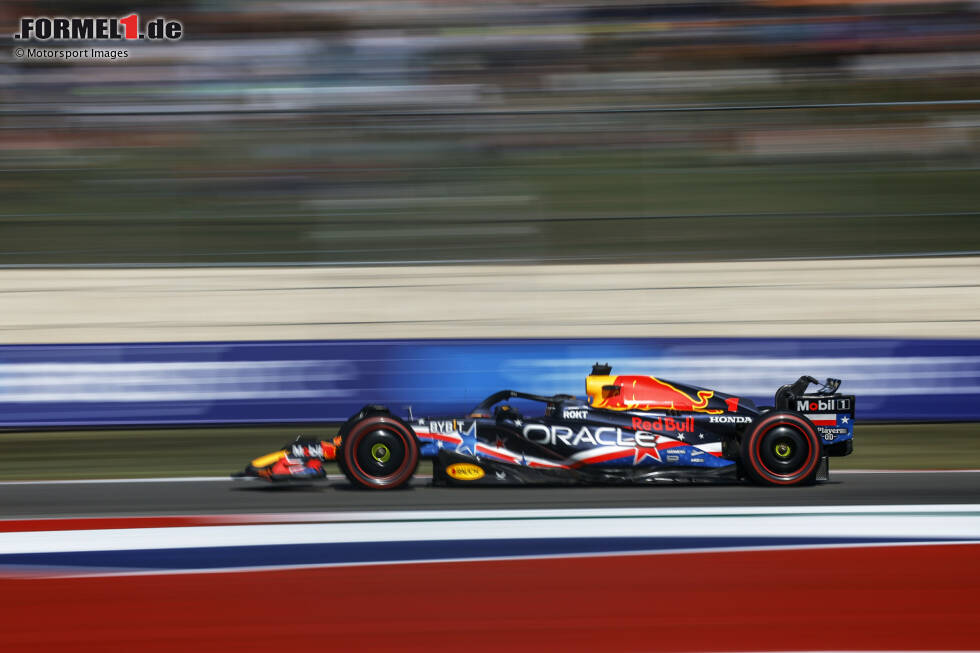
(517, 422)
(642, 453)
(468, 438)
(845, 420)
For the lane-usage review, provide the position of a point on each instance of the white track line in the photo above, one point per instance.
(84, 481)
(941, 526)
(903, 471)
(418, 477)
(173, 479)
(580, 513)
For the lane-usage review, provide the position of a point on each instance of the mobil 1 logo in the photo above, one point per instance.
(831, 404)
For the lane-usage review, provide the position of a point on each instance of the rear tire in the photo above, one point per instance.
(781, 449)
(378, 452)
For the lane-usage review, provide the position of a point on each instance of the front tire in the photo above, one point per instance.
(781, 449)
(378, 453)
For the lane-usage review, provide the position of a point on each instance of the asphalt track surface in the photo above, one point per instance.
(93, 499)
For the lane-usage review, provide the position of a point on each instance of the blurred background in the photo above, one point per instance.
(387, 169)
(321, 131)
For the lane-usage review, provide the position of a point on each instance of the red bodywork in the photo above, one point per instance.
(632, 392)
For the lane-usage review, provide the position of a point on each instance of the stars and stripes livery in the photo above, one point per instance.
(460, 437)
(832, 426)
(464, 441)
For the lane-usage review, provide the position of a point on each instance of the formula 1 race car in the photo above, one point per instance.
(632, 429)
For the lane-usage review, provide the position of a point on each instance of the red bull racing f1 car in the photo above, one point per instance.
(631, 429)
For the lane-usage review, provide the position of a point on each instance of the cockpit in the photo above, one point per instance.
(489, 407)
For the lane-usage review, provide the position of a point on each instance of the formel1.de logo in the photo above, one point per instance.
(98, 28)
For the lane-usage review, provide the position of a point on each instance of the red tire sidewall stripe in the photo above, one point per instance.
(755, 456)
(392, 426)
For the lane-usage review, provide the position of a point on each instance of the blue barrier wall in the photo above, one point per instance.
(307, 381)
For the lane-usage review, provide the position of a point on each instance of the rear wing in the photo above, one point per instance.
(788, 393)
(831, 413)
(795, 397)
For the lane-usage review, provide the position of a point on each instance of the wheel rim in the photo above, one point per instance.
(380, 453)
(784, 451)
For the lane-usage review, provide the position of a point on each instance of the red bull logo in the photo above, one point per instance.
(644, 393)
(664, 424)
